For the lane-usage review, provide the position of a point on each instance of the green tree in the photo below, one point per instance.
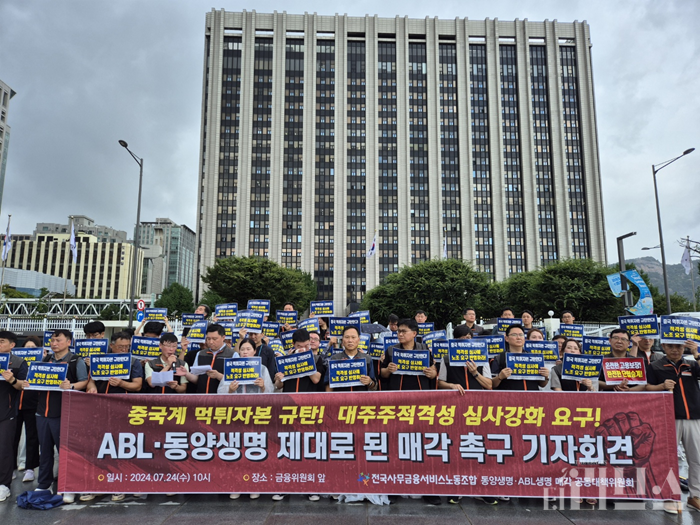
(441, 288)
(177, 299)
(239, 279)
(11, 293)
(110, 313)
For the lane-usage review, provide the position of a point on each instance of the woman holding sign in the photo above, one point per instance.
(261, 385)
(571, 346)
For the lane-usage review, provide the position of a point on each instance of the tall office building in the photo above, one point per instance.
(84, 224)
(169, 253)
(6, 93)
(318, 131)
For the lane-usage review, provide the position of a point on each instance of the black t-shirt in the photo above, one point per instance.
(499, 364)
(304, 384)
(405, 381)
(9, 395)
(686, 393)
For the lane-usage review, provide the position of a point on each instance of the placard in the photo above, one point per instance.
(336, 325)
(310, 324)
(363, 316)
(619, 369)
(525, 366)
(250, 320)
(189, 319)
(89, 347)
(198, 332)
(46, 376)
(440, 349)
(230, 330)
(346, 372)
(390, 341)
(595, 345)
(245, 370)
(226, 311)
(286, 317)
(676, 330)
(259, 305)
(158, 315)
(322, 308)
(410, 362)
(495, 344)
(286, 339)
(461, 351)
(363, 345)
(438, 335)
(296, 365)
(148, 347)
(502, 324)
(548, 349)
(425, 328)
(104, 367)
(270, 329)
(644, 325)
(578, 366)
(376, 351)
(4, 363)
(572, 331)
(277, 346)
(30, 355)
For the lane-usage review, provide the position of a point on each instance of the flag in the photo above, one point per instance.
(444, 248)
(685, 260)
(73, 244)
(373, 248)
(7, 245)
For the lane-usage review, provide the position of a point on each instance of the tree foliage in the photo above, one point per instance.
(177, 299)
(239, 279)
(441, 288)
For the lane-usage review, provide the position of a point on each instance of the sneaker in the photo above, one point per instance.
(28, 476)
(235, 495)
(4, 492)
(504, 498)
(591, 501)
(488, 500)
(118, 497)
(87, 497)
(314, 497)
(671, 507)
(278, 497)
(454, 499)
(69, 498)
(254, 496)
(694, 503)
(432, 500)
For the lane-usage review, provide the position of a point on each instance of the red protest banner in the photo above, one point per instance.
(631, 368)
(531, 444)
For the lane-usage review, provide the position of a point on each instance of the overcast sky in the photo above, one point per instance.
(88, 73)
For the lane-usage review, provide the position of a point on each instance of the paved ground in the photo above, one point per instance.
(219, 509)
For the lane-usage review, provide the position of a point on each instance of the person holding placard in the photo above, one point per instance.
(515, 341)
(420, 317)
(288, 307)
(567, 317)
(213, 357)
(262, 349)
(262, 384)
(26, 416)
(94, 330)
(14, 372)
(534, 335)
(528, 317)
(120, 343)
(301, 342)
(462, 378)
(619, 343)
(407, 332)
(680, 376)
(49, 406)
(350, 343)
(569, 385)
(167, 362)
(204, 310)
(153, 328)
(507, 313)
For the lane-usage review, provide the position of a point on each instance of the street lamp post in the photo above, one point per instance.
(655, 169)
(134, 266)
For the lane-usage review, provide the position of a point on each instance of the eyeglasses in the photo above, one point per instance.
(623, 339)
(403, 331)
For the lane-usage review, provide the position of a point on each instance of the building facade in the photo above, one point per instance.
(102, 269)
(320, 132)
(6, 94)
(170, 253)
(82, 224)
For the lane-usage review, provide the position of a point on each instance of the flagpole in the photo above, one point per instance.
(692, 271)
(4, 254)
(65, 279)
